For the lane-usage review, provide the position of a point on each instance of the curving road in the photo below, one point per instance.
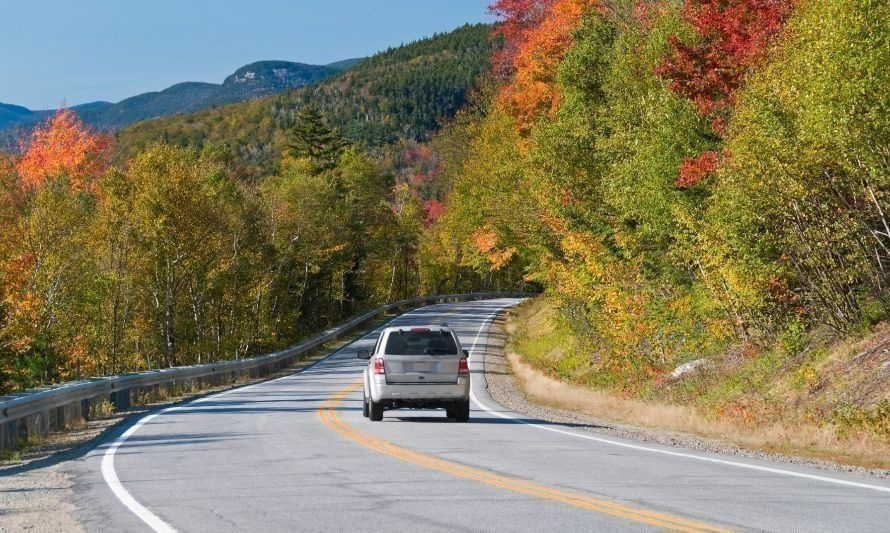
(296, 454)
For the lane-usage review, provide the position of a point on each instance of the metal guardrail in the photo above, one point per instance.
(39, 411)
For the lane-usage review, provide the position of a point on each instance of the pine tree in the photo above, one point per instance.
(311, 137)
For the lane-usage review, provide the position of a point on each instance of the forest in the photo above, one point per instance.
(402, 93)
(698, 180)
(680, 176)
(232, 232)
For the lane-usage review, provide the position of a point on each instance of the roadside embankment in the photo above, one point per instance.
(828, 406)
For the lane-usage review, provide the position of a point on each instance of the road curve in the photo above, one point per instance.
(296, 454)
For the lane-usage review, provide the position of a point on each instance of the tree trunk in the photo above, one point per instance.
(169, 337)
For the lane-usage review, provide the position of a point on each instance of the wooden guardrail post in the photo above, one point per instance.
(121, 399)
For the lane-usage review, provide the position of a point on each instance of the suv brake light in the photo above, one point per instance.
(378, 367)
(463, 368)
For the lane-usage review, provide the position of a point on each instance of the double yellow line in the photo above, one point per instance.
(328, 414)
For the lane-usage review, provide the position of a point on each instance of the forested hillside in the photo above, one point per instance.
(691, 180)
(231, 232)
(251, 81)
(255, 80)
(10, 114)
(401, 93)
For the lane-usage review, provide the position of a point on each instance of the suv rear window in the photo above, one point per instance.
(421, 342)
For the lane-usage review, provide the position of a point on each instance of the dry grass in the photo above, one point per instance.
(808, 440)
(541, 350)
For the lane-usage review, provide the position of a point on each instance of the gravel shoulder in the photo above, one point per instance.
(505, 388)
(38, 500)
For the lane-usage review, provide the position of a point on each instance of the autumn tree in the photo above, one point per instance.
(797, 226)
(730, 39)
(177, 247)
(518, 18)
(311, 137)
(309, 233)
(537, 35)
(47, 275)
(63, 148)
(11, 268)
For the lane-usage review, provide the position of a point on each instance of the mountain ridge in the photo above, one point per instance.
(401, 93)
(254, 80)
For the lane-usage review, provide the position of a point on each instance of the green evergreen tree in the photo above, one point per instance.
(311, 137)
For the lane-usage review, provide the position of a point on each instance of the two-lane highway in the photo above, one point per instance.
(296, 454)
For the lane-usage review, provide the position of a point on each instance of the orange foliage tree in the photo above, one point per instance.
(63, 146)
(536, 39)
(486, 242)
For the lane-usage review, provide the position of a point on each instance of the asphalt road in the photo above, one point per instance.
(296, 454)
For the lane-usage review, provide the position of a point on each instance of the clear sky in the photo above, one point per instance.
(87, 50)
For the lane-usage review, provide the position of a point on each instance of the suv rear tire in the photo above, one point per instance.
(365, 410)
(375, 410)
(462, 411)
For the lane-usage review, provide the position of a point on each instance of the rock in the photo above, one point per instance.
(885, 369)
(690, 367)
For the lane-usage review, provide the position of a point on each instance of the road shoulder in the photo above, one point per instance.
(506, 388)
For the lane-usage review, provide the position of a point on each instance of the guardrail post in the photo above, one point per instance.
(8, 435)
(56, 419)
(121, 399)
(94, 402)
(34, 427)
(71, 414)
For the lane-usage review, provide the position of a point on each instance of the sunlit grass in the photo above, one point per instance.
(785, 398)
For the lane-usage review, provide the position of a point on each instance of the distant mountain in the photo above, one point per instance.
(15, 115)
(345, 64)
(401, 93)
(258, 79)
(11, 114)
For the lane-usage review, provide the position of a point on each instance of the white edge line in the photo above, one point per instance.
(109, 474)
(759, 468)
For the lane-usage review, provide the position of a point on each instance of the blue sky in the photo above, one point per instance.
(87, 50)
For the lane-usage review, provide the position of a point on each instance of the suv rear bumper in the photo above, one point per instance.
(383, 392)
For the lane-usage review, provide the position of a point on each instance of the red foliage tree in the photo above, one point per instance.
(63, 146)
(694, 169)
(434, 211)
(537, 35)
(518, 18)
(734, 36)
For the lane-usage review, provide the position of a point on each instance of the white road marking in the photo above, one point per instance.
(159, 525)
(109, 474)
(638, 447)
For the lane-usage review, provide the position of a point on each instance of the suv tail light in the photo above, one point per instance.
(463, 368)
(378, 367)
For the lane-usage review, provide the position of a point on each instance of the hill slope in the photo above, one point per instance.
(250, 81)
(11, 114)
(403, 92)
(15, 115)
(255, 80)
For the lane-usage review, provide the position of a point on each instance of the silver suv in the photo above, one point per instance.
(417, 367)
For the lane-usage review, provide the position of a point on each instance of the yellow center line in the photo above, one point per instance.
(328, 414)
